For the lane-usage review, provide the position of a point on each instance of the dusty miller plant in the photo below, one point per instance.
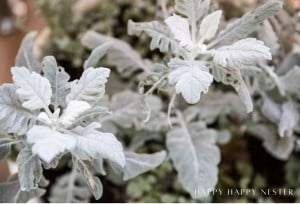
(197, 53)
(50, 116)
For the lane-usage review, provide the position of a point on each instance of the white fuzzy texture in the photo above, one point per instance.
(48, 143)
(91, 86)
(191, 79)
(73, 110)
(33, 90)
(179, 27)
(209, 25)
(243, 52)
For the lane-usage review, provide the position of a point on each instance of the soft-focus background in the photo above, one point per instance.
(61, 23)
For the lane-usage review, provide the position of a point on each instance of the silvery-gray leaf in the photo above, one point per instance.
(24, 196)
(281, 148)
(127, 108)
(119, 53)
(209, 25)
(289, 119)
(33, 90)
(247, 24)
(190, 9)
(233, 77)
(70, 188)
(243, 52)
(8, 192)
(160, 34)
(268, 36)
(191, 78)
(93, 114)
(137, 164)
(271, 110)
(290, 81)
(30, 170)
(13, 117)
(58, 79)
(195, 157)
(90, 87)
(25, 56)
(48, 144)
(93, 182)
(92, 143)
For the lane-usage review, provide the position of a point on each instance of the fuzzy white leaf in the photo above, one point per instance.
(195, 157)
(189, 8)
(137, 164)
(33, 90)
(73, 110)
(58, 79)
(179, 26)
(95, 144)
(13, 117)
(210, 24)
(29, 169)
(48, 143)
(160, 34)
(288, 120)
(90, 87)
(191, 79)
(244, 52)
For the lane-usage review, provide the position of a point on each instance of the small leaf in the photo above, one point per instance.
(179, 26)
(33, 90)
(233, 77)
(210, 24)
(290, 81)
(288, 120)
(73, 110)
(191, 79)
(95, 144)
(189, 8)
(13, 117)
(160, 34)
(137, 164)
(25, 56)
(30, 170)
(119, 53)
(244, 52)
(58, 79)
(90, 87)
(48, 143)
(93, 182)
